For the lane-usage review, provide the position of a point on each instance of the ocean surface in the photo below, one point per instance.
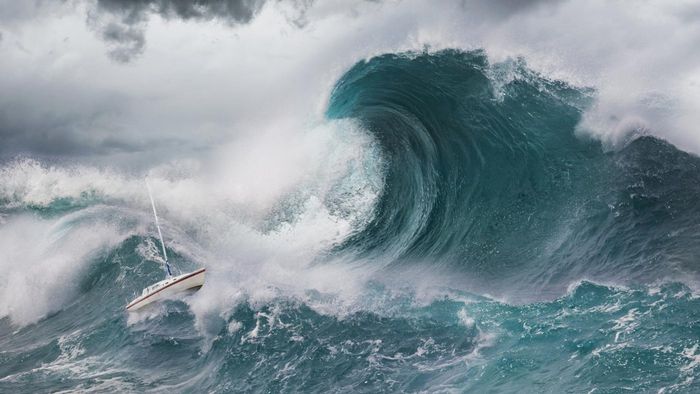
(452, 230)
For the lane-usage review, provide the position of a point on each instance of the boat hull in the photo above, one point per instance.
(191, 281)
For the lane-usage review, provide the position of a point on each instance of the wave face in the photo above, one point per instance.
(458, 235)
(488, 177)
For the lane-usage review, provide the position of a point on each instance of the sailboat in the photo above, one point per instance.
(171, 285)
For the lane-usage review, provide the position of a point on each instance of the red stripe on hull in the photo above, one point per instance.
(132, 304)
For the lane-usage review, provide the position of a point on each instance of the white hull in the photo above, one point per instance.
(167, 288)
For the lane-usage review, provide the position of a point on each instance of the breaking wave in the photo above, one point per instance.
(447, 226)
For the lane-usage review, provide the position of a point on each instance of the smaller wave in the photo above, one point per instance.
(258, 218)
(42, 260)
(462, 341)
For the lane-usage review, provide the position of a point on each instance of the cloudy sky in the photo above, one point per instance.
(133, 82)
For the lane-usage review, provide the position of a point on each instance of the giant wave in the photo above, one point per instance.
(458, 232)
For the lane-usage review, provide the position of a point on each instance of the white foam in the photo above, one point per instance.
(42, 260)
(693, 356)
(465, 319)
(234, 326)
(626, 324)
(257, 216)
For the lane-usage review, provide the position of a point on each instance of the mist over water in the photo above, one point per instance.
(443, 207)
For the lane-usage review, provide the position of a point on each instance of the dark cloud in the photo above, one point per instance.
(233, 11)
(504, 8)
(122, 23)
(126, 40)
(90, 134)
(56, 131)
(57, 120)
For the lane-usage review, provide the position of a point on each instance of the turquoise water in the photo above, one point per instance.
(504, 252)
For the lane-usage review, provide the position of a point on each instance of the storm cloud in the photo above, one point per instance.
(122, 24)
(238, 11)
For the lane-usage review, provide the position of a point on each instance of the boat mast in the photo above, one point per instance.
(160, 234)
